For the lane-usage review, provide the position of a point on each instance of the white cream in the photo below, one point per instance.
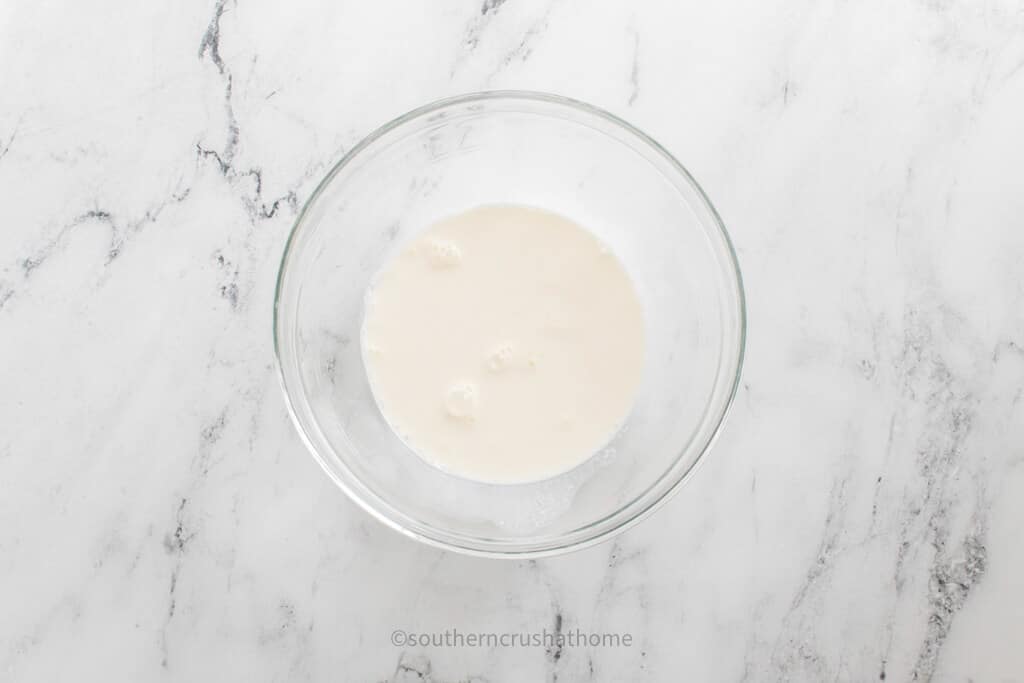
(504, 344)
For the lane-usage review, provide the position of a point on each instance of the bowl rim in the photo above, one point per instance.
(381, 509)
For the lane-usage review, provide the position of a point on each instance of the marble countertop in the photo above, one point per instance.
(860, 519)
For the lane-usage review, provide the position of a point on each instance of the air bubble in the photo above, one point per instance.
(501, 357)
(443, 253)
(461, 401)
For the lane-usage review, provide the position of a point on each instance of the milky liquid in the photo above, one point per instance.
(504, 344)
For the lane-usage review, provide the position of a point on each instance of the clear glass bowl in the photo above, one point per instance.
(511, 148)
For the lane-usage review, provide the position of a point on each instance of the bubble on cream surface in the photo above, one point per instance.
(442, 253)
(501, 357)
(514, 341)
(461, 401)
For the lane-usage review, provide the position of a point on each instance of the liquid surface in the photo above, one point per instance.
(505, 344)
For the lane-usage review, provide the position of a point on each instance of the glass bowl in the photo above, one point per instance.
(537, 150)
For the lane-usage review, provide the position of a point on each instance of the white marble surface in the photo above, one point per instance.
(861, 518)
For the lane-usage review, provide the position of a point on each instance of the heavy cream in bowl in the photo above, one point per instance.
(495, 379)
(504, 344)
